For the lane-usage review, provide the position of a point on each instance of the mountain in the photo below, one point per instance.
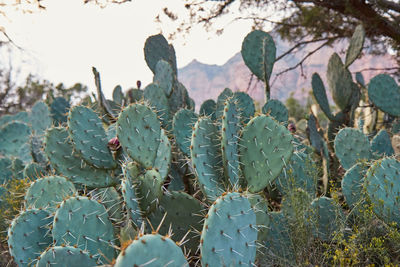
(205, 81)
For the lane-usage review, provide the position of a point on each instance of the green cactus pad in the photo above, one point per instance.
(383, 189)
(38, 155)
(164, 76)
(13, 138)
(157, 99)
(40, 117)
(135, 95)
(356, 45)
(351, 146)
(246, 106)
(179, 98)
(325, 218)
(360, 79)
(131, 201)
(28, 236)
(157, 48)
(208, 108)
(182, 125)
(206, 159)
(222, 97)
(33, 171)
(259, 52)
(117, 95)
(277, 110)
(18, 168)
(89, 137)
(48, 192)
(260, 206)
(230, 128)
(229, 234)
(340, 82)
(65, 256)
(149, 190)
(299, 173)
(265, 148)
(316, 140)
(59, 110)
(6, 172)
(320, 95)
(111, 200)
(384, 92)
(381, 144)
(138, 130)
(184, 214)
(352, 184)
(84, 222)
(62, 158)
(21, 116)
(163, 160)
(152, 250)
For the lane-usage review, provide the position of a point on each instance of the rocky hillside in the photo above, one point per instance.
(207, 81)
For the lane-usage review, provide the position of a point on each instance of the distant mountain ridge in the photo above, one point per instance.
(205, 81)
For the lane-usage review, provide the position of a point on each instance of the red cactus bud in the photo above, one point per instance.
(114, 144)
(292, 127)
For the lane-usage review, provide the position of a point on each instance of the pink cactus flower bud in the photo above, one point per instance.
(292, 127)
(114, 144)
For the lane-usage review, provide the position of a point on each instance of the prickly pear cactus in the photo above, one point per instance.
(157, 48)
(265, 148)
(6, 172)
(65, 256)
(222, 97)
(229, 234)
(230, 128)
(33, 171)
(320, 95)
(277, 110)
(182, 125)
(84, 222)
(59, 110)
(151, 250)
(183, 215)
(355, 46)
(164, 76)
(13, 139)
(40, 118)
(60, 153)
(48, 192)
(383, 189)
(351, 146)
(157, 99)
(28, 236)
(245, 105)
(352, 184)
(208, 108)
(259, 52)
(89, 137)
(129, 194)
(384, 92)
(381, 144)
(206, 158)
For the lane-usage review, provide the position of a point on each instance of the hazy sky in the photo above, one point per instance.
(68, 38)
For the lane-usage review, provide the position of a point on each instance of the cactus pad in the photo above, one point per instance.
(164, 76)
(89, 137)
(277, 110)
(265, 148)
(352, 184)
(384, 92)
(183, 123)
(40, 117)
(229, 234)
(65, 256)
(356, 45)
(59, 110)
(208, 108)
(381, 144)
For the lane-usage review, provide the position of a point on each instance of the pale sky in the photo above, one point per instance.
(68, 38)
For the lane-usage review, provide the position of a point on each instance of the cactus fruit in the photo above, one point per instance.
(229, 233)
(277, 110)
(351, 146)
(355, 46)
(384, 92)
(84, 222)
(28, 236)
(48, 192)
(383, 189)
(89, 137)
(65, 256)
(206, 159)
(182, 125)
(265, 148)
(60, 153)
(152, 250)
